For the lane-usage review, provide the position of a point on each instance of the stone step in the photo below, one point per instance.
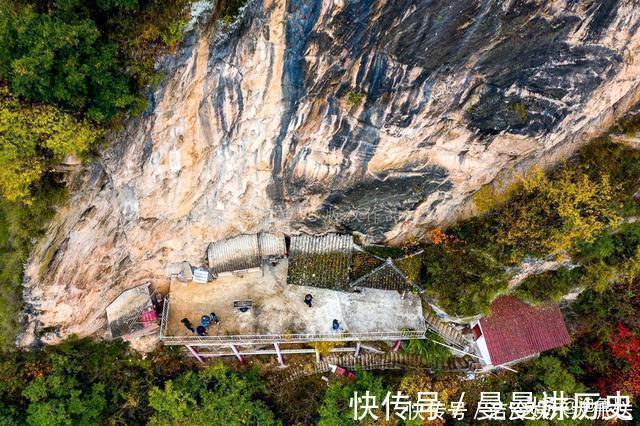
(451, 334)
(371, 362)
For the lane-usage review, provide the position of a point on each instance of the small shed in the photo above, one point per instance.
(132, 313)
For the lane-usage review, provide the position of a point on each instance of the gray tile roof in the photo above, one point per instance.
(320, 260)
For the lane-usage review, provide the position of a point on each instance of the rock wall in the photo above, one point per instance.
(379, 117)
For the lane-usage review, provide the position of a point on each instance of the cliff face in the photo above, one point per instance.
(381, 117)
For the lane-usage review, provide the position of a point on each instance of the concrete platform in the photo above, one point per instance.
(278, 308)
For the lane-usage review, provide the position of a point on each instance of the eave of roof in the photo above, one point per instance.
(515, 329)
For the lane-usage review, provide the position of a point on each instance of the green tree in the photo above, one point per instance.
(20, 225)
(64, 395)
(56, 400)
(553, 213)
(431, 351)
(463, 278)
(33, 138)
(216, 395)
(63, 62)
(335, 410)
(548, 374)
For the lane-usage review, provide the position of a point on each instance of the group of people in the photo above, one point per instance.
(212, 319)
(205, 322)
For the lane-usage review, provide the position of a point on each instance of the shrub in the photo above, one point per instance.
(550, 285)
(432, 352)
(231, 9)
(354, 98)
(335, 408)
(553, 213)
(463, 279)
(216, 395)
(92, 57)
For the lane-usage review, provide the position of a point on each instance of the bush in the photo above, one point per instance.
(462, 278)
(550, 285)
(231, 9)
(78, 382)
(430, 351)
(552, 213)
(354, 98)
(335, 408)
(576, 208)
(67, 69)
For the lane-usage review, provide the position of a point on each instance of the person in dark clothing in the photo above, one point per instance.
(205, 321)
(158, 305)
(214, 318)
(201, 330)
(336, 325)
(188, 325)
(308, 299)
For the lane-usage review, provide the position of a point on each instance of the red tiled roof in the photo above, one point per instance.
(515, 329)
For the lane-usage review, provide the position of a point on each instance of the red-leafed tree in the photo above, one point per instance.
(625, 347)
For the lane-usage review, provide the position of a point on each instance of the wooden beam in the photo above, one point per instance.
(279, 355)
(273, 352)
(195, 353)
(318, 359)
(372, 349)
(356, 353)
(235, 351)
(397, 346)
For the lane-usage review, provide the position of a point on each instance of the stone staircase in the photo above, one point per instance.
(383, 361)
(450, 334)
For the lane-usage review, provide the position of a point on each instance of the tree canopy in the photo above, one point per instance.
(216, 395)
(33, 138)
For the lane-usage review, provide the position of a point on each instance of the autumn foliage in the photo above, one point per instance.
(625, 347)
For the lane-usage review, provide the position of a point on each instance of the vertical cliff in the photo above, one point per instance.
(381, 117)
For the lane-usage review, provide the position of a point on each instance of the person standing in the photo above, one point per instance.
(204, 321)
(336, 325)
(308, 299)
(187, 325)
(201, 330)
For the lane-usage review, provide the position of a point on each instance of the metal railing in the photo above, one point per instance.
(280, 338)
(165, 317)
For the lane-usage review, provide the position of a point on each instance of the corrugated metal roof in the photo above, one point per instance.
(271, 245)
(515, 329)
(234, 254)
(321, 244)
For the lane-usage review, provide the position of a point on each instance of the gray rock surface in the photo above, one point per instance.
(381, 117)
